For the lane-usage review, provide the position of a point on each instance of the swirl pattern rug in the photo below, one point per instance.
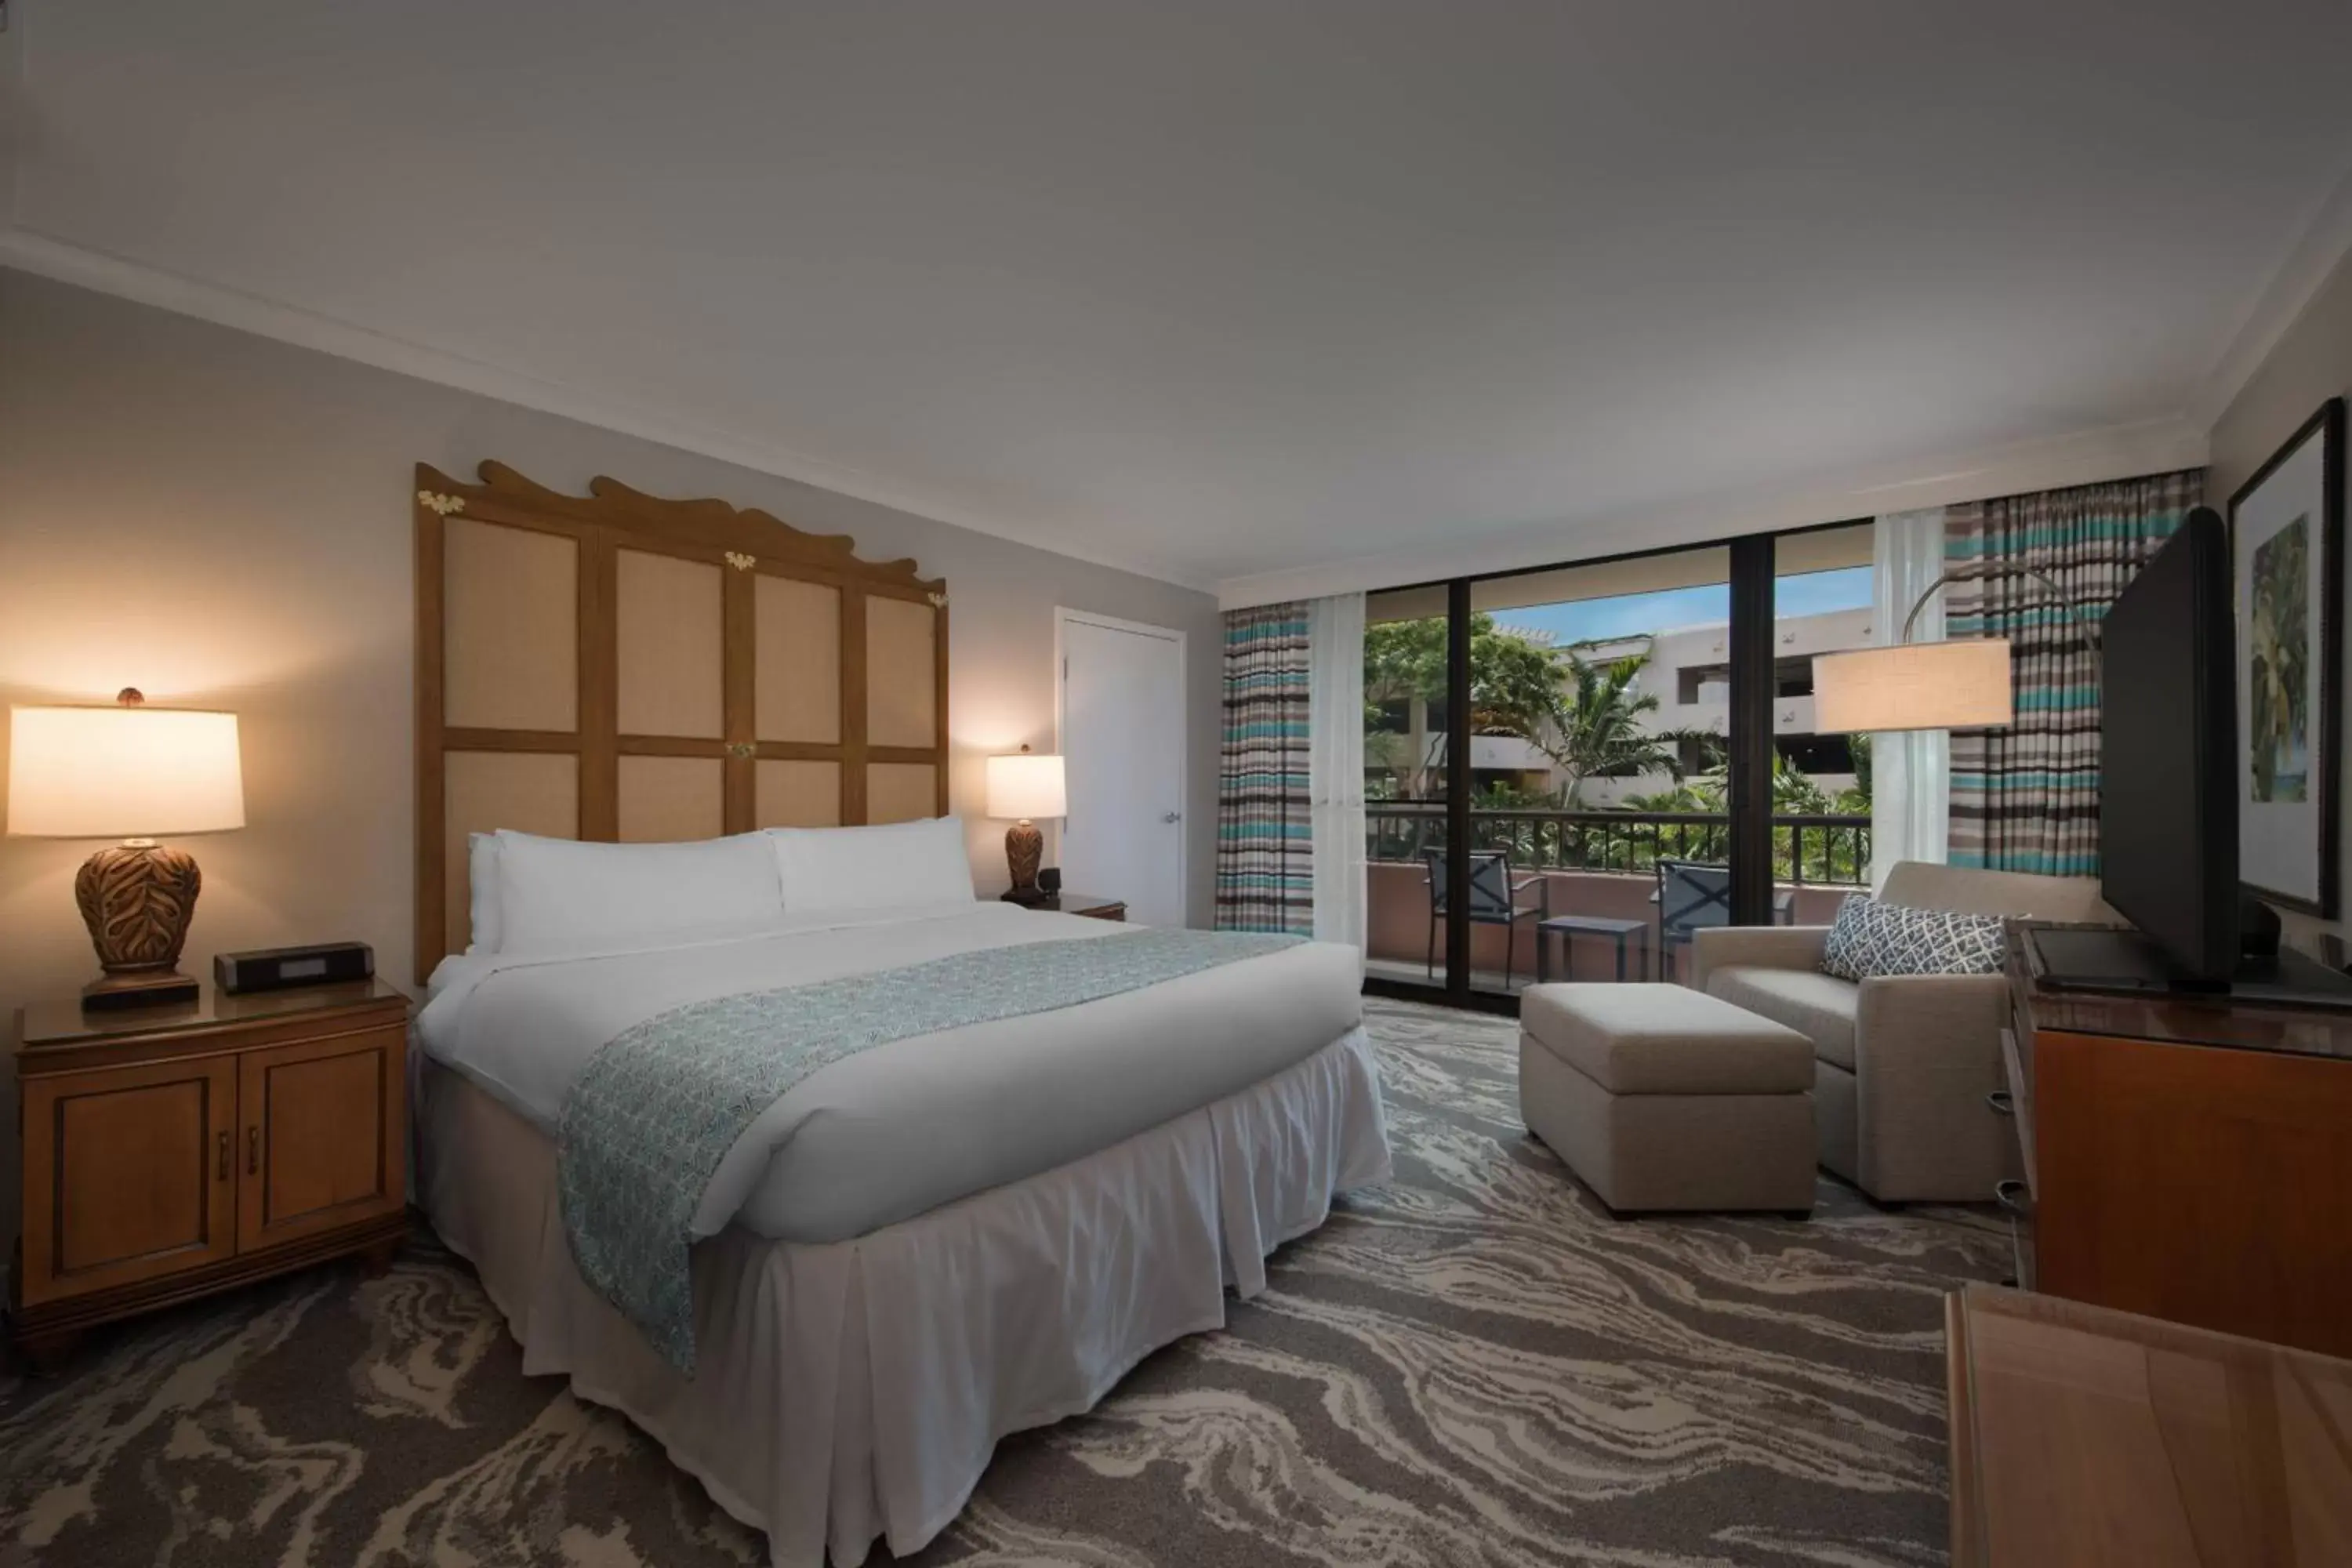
(1474, 1365)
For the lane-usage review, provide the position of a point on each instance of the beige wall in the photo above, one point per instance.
(224, 520)
(2311, 365)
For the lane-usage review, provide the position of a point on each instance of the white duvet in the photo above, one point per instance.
(904, 1128)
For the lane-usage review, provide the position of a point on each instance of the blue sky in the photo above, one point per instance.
(1811, 593)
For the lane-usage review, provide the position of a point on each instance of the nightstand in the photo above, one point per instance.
(179, 1151)
(1094, 906)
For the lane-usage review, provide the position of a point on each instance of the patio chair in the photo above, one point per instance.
(1692, 895)
(1495, 901)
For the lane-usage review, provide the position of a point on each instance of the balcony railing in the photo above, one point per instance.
(1831, 850)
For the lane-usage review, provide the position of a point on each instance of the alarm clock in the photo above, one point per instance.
(282, 968)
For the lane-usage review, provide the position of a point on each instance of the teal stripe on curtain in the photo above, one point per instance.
(1266, 861)
(2027, 798)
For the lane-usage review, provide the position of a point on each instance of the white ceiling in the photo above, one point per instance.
(1224, 288)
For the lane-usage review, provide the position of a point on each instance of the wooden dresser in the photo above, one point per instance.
(2188, 1159)
(2088, 1438)
(175, 1151)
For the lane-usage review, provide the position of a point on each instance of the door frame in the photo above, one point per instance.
(1065, 616)
(1752, 579)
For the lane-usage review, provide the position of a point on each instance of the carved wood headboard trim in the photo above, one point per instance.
(745, 549)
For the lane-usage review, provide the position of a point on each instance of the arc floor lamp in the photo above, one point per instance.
(1947, 684)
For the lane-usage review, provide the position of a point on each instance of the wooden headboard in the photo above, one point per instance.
(619, 666)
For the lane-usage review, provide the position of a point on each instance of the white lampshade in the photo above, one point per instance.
(122, 773)
(1914, 686)
(1026, 786)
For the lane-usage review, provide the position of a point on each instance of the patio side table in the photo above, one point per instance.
(1570, 926)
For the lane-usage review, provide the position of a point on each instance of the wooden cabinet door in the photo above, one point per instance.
(2199, 1185)
(324, 1136)
(130, 1173)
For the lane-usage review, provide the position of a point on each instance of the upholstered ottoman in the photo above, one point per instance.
(1660, 1096)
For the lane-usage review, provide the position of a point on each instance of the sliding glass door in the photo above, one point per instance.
(1407, 729)
(1622, 751)
(1599, 767)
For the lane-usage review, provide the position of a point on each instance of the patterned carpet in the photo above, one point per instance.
(1473, 1366)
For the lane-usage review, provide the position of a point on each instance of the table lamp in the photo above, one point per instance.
(1025, 786)
(113, 773)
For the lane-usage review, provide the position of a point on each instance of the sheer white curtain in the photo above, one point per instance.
(1911, 783)
(1335, 765)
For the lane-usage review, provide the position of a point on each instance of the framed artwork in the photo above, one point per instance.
(2286, 543)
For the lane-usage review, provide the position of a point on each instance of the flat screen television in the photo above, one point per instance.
(2168, 755)
(2168, 802)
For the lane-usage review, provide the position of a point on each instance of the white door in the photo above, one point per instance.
(1123, 758)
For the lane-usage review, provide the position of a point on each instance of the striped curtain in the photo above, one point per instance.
(2027, 798)
(1265, 848)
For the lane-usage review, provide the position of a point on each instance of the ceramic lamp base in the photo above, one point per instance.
(1024, 845)
(140, 988)
(137, 898)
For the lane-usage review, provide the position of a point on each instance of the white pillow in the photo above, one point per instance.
(482, 883)
(559, 895)
(841, 870)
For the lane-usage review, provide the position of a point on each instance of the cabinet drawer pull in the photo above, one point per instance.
(224, 1157)
(2012, 1196)
(2001, 1103)
(253, 1151)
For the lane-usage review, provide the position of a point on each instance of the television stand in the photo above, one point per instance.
(2126, 964)
(2186, 1154)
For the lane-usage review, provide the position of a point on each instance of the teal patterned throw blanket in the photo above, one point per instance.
(645, 1126)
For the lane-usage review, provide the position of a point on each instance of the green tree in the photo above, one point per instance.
(1795, 792)
(1514, 681)
(1586, 716)
(1595, 728)
(1514, 688)
(1405, 665)
(1402, 661)
(1856, 802)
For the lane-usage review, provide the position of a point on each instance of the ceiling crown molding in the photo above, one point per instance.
(2326, 241)
(37, 253)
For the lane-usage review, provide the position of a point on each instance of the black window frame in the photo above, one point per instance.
(1748, 746)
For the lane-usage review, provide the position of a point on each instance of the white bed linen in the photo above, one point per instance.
(839, 869)
(903, 1128)
(854, 1389)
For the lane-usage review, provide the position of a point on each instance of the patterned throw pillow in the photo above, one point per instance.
(1870, 938)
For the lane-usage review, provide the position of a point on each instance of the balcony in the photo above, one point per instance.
(1712, 711)
(1600, 863)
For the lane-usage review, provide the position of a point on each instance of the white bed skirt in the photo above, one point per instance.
(854, 1389)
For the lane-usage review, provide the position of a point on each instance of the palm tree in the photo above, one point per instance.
(1675, 800)
(1594, 728)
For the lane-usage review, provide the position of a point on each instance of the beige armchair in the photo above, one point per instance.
(1901, 1065)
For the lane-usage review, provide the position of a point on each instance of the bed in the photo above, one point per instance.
(944, 1236)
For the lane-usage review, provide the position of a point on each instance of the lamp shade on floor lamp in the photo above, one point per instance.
(1913, 685)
